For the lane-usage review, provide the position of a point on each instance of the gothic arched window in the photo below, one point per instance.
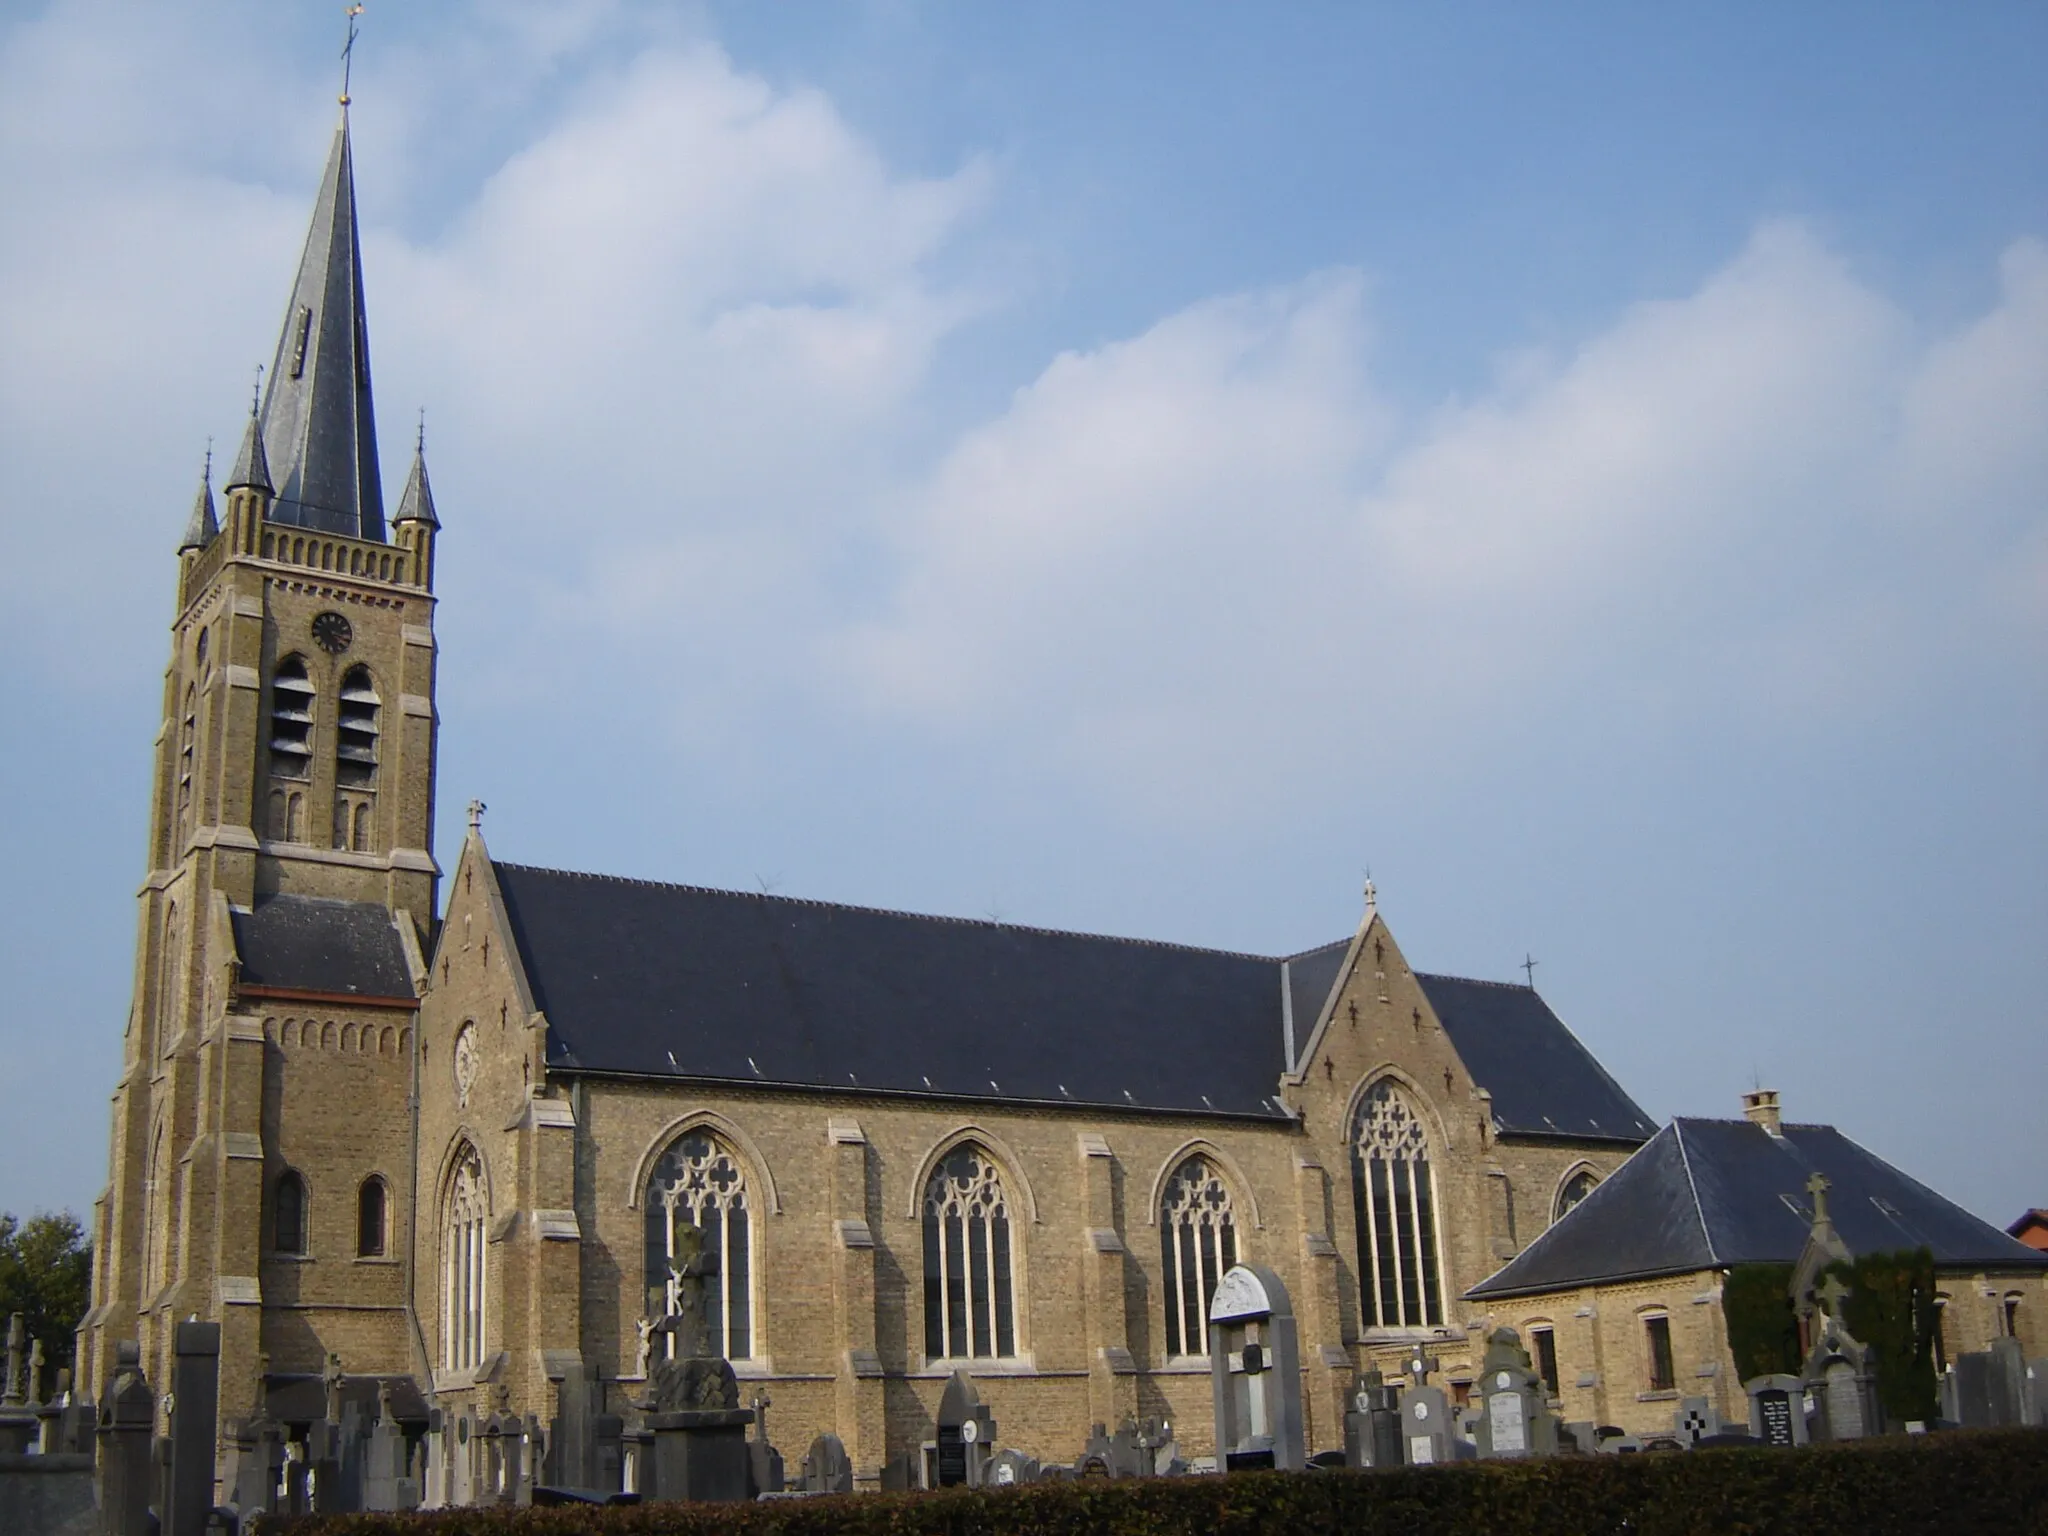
(465, 1214)
(1575, 1189)
(1394, 1199)
(291, 720)
(288, 1214)
(1198, 1242)
(355, 736)
(188, 733)
(370, 1204)
(969, 1311)
(698, 1183)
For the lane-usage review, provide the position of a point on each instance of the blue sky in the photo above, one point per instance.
(1123, 468)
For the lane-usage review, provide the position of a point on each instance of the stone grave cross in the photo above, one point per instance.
(1817, 1186)
(10, 1385)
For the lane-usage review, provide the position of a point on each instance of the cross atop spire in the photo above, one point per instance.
(348, 52)
(319, 426)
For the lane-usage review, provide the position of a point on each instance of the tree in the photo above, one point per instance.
(46, 1276)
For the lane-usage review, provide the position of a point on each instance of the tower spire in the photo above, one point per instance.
(318, 424)
(252, 464)
(416, 503)
(204, 525)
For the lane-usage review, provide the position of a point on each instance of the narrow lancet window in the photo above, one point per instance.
(465, 1214)
(289, 1213)
(291, 721)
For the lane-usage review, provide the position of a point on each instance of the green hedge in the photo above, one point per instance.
(1763, 1330)
(1988, 1480)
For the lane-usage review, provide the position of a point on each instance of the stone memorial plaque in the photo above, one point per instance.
(1421, 1450)
(1504, 1414)
(1776, 1411)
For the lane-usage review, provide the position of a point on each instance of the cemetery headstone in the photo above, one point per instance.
(1777, 1409)
(765, 1460)
(127, 1419)
(1695, 1421)
(1255, 1371)
(1515, 1420)
(1010, 1466)
(827, 1468)
(966, 1434)
(18, 1424)
(1372, 1422)
(2008, 1382)
(1426, 1434)
(195, 1388)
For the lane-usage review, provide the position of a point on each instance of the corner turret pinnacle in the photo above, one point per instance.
(252, 464)
(416, 504)
(200, 531)
(319, 427)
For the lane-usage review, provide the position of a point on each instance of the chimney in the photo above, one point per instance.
(1761, 1108)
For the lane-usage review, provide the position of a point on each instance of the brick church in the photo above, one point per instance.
(454, 1147)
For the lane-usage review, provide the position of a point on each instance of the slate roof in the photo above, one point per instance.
(681, 981)
(674, 980)
(1707, 1194)
(313, 944)
(1543, 1081)
(1310, 976)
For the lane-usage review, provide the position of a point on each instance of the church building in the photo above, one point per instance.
(453, 1148)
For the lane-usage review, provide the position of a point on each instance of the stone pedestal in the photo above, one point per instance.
(700, 1454)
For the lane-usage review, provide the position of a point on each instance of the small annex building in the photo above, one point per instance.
(1620, 1299)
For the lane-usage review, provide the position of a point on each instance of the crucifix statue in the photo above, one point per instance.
(690, 1370)
(1420, 1364)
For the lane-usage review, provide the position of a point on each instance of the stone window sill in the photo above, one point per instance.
(1184, 1365)
(378, 1258)
(1664, 1395)
(289, 1258)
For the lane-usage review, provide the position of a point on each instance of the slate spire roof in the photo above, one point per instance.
(1709, 1194)
(199, 531)
(416, 504)
(319, 429)
(252, 464)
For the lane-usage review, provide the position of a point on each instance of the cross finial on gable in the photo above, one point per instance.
(1817, 1186)
(1372, 893)
(476, 815)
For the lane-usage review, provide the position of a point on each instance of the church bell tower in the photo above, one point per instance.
(260, 1161)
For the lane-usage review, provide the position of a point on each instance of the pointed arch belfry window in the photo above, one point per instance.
(466, 1212)
(698, 1182)
(1198, 1242)
(969, 1301)
(291, 739)
(1394, 1200)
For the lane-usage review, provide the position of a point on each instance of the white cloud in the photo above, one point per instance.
(1176, 570)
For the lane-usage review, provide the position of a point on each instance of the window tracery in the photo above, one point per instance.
(1198, 1243)
(1394, 1200)
(969, 1301)
(466, 1214)
(698, 1182)
(1575, 1189)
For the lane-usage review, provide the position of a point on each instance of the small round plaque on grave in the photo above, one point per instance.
(970, 1432)
(1503, 1379)
(1422, 1410)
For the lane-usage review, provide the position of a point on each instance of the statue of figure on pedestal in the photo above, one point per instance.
(689, 1375)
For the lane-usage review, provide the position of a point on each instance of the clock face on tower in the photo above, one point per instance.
(333, 633)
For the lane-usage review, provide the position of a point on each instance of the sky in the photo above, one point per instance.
(1133, 469)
